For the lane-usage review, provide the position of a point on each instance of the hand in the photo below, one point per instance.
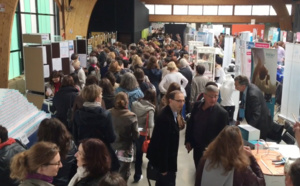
(188, 147)
(248, 151)
(164, 173)
(296, 128)
(237, 123)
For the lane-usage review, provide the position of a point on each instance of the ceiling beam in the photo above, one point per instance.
(216, 2)
(212, 19)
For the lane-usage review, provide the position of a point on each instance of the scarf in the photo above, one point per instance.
(7, 142)
(81, 173)
(38, 176)
(91, 104)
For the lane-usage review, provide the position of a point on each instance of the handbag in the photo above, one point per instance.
(147, 139)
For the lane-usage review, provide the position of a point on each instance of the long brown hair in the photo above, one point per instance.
(227, 149)
(53, 130)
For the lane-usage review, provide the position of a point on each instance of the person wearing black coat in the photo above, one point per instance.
(208, 118)
(253, 105)
(92, 121)
(64, 99)
(8, 148)
(163, 148)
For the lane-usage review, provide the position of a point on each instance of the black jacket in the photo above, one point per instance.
(69, 168)
(257, 113)
(163, 148)
(95, 122)
(217, 120)
(63, 101)
(6, 153)
(154, 76)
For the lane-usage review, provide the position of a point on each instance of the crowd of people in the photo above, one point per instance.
(104, 113)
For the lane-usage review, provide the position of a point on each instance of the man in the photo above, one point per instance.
(163, 148)
(292, 177)
(253, 106)
(8, 148)
(207, 120)
(101, 55)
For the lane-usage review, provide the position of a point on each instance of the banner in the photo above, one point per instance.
(264, 70)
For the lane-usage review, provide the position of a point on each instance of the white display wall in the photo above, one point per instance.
(227, 51)
(291, 83)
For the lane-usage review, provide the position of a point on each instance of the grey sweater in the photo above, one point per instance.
(141, 108)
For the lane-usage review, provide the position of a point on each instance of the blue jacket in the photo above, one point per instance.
(133, 95)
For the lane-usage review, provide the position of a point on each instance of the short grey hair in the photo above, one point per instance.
(211, 88)
(242, 80)
(128, 82)
(93, 60)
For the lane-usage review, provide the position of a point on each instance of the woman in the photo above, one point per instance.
(164, 102)
(54, 84)
(227, 161)
(93, 162)
(62, 138)
(173, 76)
(64, 99)
(144, 109)
(110, 76)
(115, 69)
(36, 166)
(130, 86)
(153, 72)
(108, 93)
(80, 72)
(126, 129)
(92, 121)
(76, 81)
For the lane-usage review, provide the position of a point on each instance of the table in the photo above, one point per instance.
(275, 177)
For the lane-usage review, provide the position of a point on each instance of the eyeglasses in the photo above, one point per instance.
(179, 101)
(57, 163)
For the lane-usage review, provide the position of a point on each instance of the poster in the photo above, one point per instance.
(71, 48)
(264, 69)
(64, 49)
(56, 64)
(46, 71)
(83, 60)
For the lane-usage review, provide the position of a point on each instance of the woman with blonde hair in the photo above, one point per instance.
(126, 128)
(136, 62)
(36, 166)
(173, 76)
(226, 161)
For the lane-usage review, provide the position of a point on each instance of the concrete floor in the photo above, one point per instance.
(186, 170)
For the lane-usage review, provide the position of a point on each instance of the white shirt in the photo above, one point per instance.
(170, 78)
(226, 91)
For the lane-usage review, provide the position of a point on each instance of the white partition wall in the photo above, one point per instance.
(227, 51)
(291, 82)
